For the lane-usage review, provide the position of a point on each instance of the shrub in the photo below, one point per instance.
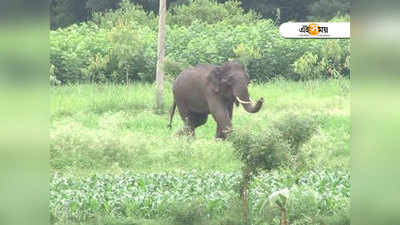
(70, 49)
(245, 53)
(332, 61)
(335, 59)
(307, 67)
(133, 52)
(278, 55)
(296, 129)
(260, 150)
(258, 45)
(88, 53)
(269, 148)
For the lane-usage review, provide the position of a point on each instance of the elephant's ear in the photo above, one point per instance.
(214, 79)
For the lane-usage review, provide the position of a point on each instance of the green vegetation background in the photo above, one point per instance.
(66, 12)
(123, 42)
(113, 160)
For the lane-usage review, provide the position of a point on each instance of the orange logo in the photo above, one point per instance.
(313, 29)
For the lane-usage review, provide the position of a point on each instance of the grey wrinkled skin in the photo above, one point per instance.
(210, 89)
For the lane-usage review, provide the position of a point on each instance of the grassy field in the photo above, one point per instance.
(106, 143)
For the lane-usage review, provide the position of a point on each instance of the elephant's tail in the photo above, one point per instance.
(171, 114)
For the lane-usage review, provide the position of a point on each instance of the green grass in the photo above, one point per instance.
(100, 133)
(103, 127)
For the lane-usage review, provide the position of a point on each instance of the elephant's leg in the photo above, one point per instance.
(223, 131)
(222, 117)
(186, 115)
(187, 129)
(195, 120)
(192, 121)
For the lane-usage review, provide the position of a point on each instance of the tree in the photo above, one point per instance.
(160, 54)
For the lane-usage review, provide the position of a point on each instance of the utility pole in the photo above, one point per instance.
(160, 54)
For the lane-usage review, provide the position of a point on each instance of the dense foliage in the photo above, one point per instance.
(67, 12)
(122, 43)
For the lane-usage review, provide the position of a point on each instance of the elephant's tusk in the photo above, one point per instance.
(243, 102)
(251, 100)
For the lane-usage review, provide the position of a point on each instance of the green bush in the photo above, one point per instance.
(88, 53)
(258, 45)
(307, 67)
(271, 147)
(260, 150)
(332, 61)
(123, 42)
(296, 129)
(71, 48)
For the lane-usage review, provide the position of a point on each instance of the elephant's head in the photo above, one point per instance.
(230, 82)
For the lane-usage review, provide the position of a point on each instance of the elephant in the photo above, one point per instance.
(210, 89)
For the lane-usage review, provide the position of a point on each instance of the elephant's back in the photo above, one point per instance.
(189, 88)
(194, 75)
(199, 70)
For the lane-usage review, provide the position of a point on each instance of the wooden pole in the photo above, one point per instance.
(160, 54)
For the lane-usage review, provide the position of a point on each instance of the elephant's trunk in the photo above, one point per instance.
(247, 103)
(249, 106)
